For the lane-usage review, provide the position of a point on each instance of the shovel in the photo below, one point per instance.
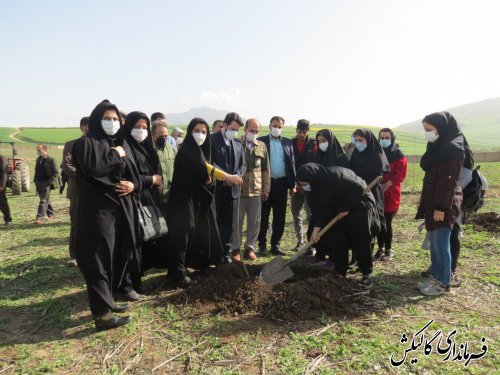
(278, 270)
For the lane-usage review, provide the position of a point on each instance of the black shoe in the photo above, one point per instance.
(186, 282)
(120, 308)
(262, 250)
(378, 255)
(141, 289)
(275, 250)
(387, 256)
(109, 321)
(131, 296)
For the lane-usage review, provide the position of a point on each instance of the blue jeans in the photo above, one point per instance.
(441, 254)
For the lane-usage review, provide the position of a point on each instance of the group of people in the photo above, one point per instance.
(206, 183)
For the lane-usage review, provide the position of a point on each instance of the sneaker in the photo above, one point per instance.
(8, 223)
(367, 280)
(387, 256)
(250, 254)
(426, 283)
(236, 255)
(72, 263)
(435, 289)
(455, 280)
(426, 273)
(378, 255)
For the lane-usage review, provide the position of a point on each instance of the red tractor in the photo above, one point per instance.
(18, 173)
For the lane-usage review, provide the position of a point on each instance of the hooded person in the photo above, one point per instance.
(330, 152)
(108, 225)
(194, 235)
(138, 136)
(441, 196)
(391, 187)
(368, 161)
(337, 190)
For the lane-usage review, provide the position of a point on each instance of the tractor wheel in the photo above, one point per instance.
(16, 182)
(25, 177)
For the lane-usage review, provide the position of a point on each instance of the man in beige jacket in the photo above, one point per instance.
(255, 189)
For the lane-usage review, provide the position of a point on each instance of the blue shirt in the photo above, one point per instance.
(172, 141)
(277, 158)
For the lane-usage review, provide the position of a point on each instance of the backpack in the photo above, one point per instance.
(473, 193)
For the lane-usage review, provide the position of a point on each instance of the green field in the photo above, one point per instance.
(57, 136)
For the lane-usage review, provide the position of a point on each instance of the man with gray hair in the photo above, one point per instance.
(255, 190)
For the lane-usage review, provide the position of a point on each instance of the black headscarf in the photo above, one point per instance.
(372, 161)
(393, 152)
(194, 156)
(334, 155)
(145, 155)
(449, 145)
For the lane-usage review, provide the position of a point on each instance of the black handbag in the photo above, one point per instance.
(153, 224)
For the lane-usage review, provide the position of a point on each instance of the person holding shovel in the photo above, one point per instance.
(338, 190)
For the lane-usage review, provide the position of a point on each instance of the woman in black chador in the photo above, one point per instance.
(368, 161)
(337, 190)
(194, 236)
(330, 152)
(108, 231)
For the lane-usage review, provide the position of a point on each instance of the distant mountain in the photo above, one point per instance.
(206, 113)
(484, 114)
(480, 122)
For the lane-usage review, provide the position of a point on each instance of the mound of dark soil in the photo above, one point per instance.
(487, 221)
(310, 294)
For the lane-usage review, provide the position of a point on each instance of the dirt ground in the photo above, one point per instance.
(311, 293)
(487, 221)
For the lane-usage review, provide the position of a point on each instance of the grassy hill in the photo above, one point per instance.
(479, 121)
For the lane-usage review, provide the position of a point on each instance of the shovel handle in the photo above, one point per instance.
(339, 216)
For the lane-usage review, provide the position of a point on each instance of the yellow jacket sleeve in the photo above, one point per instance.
(218, 174)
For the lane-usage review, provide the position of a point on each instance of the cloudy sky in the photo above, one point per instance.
(376, 62)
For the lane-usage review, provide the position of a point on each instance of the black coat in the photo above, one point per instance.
(308, 154)
(108, 225)
(191, 206)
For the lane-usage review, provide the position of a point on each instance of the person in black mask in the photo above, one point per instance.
(368, 161)
(337, 190)
(138, 136)
(108, 226)
(194, 236)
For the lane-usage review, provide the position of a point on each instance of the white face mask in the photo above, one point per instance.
(431, 136)
(231, 134)
(251, 137)
(139, 134)
(110, 127)
(199, 138)
(307, 188)
(323, 146)
(178, 141)
(275, 132)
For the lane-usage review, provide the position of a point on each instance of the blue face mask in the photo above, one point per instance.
(307, 188)
(361, 146)
(385, 143)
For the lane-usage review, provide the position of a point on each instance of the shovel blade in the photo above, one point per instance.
(276, 271)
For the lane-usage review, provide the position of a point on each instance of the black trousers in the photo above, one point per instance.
(73, 204)
(277, 202)
(4, 206)
(384, 238)
(352, 232)
(224, 203)
(455, 246)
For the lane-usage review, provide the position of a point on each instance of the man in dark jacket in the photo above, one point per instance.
(46, 179)
(4, 204)
(68, 166)
(304, 149)
(228, 155)
(282, 162)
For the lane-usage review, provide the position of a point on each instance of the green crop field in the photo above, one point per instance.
(5, 133)
(48, 135)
